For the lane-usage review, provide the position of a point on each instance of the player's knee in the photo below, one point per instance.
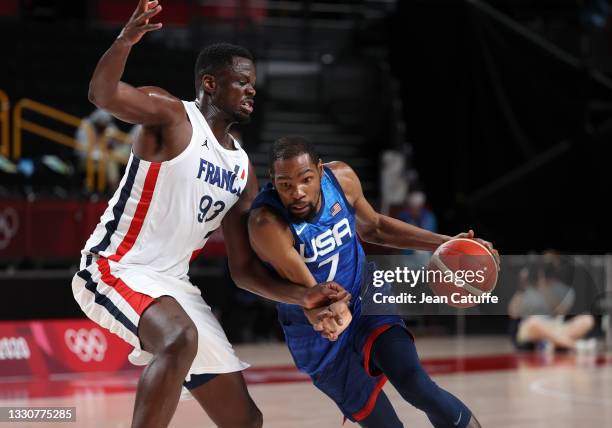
(418, 389)
(182, 342)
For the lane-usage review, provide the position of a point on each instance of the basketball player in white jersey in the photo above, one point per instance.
(185, 178)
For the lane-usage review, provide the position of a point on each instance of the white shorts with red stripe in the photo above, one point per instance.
(115, 296)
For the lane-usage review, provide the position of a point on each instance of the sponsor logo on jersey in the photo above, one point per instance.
(300, 230)
(220, 177)
(326, 242)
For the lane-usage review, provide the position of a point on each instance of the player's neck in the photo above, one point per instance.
(220, 125)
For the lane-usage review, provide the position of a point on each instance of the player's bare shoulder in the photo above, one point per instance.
(263, 218)
(348, 179)
(161, 93)
(269, 234)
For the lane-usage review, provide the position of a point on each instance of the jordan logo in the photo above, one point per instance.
(205, 143)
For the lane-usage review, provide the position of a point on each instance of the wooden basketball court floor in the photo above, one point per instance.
(503, 388)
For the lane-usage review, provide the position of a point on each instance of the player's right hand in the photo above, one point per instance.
(323, 294)
(138, 24)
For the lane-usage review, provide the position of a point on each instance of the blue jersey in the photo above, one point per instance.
(329, 246)
(331, 250)
(328, 243)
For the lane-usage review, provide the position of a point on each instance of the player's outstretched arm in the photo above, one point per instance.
(383, 230)
(148, 105)
(249, 273)
(377, 228)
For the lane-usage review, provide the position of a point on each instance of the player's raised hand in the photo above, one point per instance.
(471, 235)
(139, 24)
(323, 294)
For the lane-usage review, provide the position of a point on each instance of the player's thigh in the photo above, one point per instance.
(226, 400)
(165, 324)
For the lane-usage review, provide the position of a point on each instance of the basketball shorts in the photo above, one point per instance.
(115, 297)
(349, 380)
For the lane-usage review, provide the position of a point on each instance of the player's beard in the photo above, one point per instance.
(309, 215)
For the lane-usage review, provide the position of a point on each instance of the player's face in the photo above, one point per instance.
(236, 91)
(298, 183)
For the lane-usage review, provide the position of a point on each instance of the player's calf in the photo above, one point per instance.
(382, 416)
(227, 402)
(395, 354)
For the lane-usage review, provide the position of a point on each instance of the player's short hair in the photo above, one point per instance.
(292, 146)
(216, 56)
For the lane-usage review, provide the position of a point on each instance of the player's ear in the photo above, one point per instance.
(209, 84)
(320, 168)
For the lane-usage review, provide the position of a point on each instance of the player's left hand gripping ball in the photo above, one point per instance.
(471, 235)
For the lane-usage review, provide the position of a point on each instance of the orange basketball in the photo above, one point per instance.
(462, 273)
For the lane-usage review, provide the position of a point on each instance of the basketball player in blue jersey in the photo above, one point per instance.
(186, 177)
(306, 227)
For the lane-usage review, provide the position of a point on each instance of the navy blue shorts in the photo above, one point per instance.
(340, 369)
(348, 379)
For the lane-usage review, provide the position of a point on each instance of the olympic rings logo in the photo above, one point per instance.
(86, 344)
(9, 225)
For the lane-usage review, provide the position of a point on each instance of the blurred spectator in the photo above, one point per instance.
(393, 182)
(96, 135)
(594, 14)
(416, 213)
(539, 306)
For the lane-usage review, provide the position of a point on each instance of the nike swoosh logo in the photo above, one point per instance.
(298, 231)
(458, 419)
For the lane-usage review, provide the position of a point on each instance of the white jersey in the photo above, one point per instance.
(164, 212)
